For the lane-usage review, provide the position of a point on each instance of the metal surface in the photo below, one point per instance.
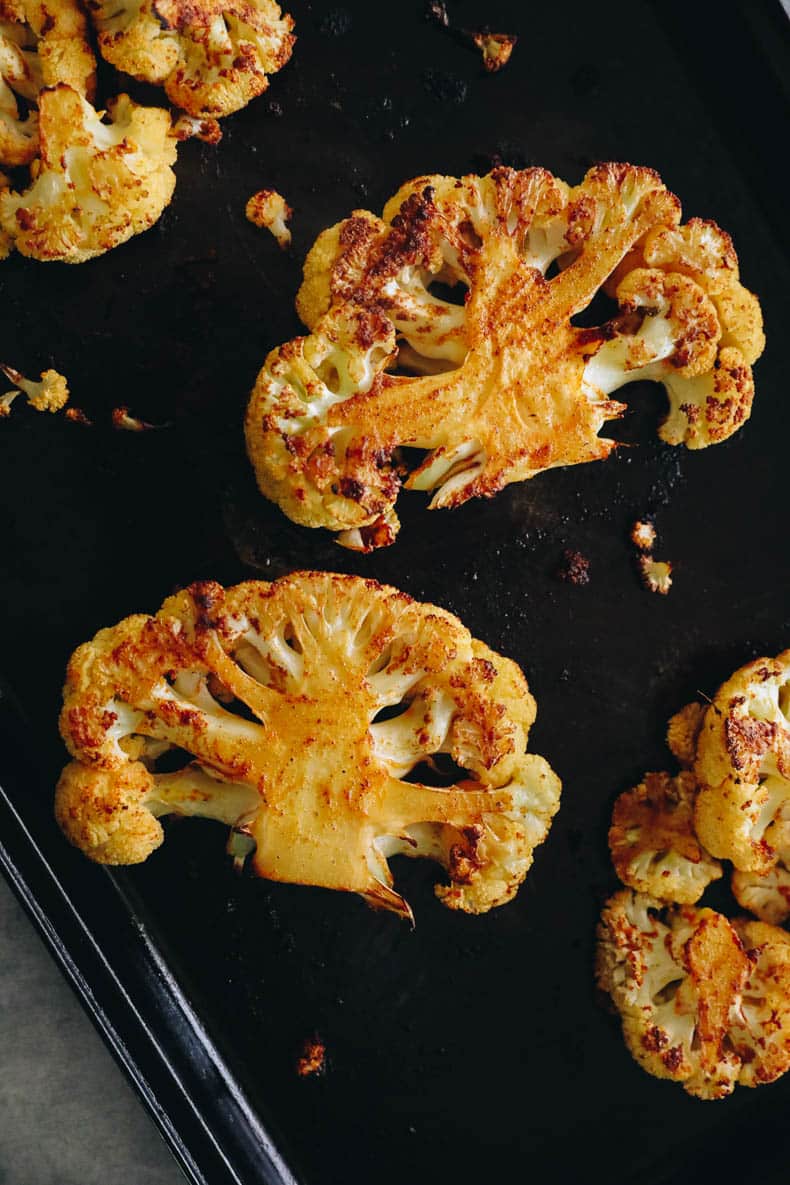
(471, 1047)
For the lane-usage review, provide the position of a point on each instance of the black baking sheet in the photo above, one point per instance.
(470, 1048)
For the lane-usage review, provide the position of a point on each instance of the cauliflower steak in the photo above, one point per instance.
(211, 56)
(703, 1001)
(495, 382)
(311, 708)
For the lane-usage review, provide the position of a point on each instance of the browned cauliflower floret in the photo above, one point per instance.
(706, 406)
(267, 208)
(51, 393)
(276, 690)
(703, 1001)
(743, 765)
(503, 385)
(683, 731)
(767, 893)
(41, 45)
(97, 183)
(212, 56)
(652, 842)
(760, 1024)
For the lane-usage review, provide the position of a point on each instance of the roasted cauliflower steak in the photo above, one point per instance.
(743, 766)
(99, 179)
(439, 327)
(211, 56)
(703, 1001)
(41, 45)
(311, 708)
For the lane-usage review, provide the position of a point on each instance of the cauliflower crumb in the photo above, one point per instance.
(50, 394)
(77, 416)
(643, 535)
(312, 1058)
(122, 420)
(496, 48)
(268, 209)
(192, 127)
(574, 567)
(656, 574)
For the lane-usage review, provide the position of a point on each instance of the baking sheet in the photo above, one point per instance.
(471, 1046)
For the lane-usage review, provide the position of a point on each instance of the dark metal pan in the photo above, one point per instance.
(471, 1048)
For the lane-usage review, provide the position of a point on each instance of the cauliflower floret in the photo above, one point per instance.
(652, 842)
(675, 978)
(96, 184)
(760, 1024)
(267, 208)
(50, 394)
(190, 127)
(706, 407)
(496, 48)
(643, 535)
(501, 383)
(316, 778)
(212, 56)
(767, 893)
(41, 45)
(683, 731)
(743, 764)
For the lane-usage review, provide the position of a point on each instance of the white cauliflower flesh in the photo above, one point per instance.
(743, 766)
(51, 393)
(211, 56)
(652, 842)
(496, 382)
(98, 181)
(41, 45)
(354, 691)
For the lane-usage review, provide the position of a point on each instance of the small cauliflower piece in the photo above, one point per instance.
(496, 383)
(50, 394)
(496, 48)
(267, 208)
(743, 765)
(656, 574)
(652, 842)
(278, 692)
(41, 45)
(682, 733)
(96, 184)
(190, 127)
(211, 56)
(643, 535)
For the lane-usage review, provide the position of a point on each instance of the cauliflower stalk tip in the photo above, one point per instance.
(349, 691)
(98, 180)
(703, 1002)
(211, 56)
(496, 382)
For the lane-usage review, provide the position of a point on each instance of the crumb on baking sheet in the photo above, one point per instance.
(656, 574)
(495, 47)
(195, 127)
(268, 209)
(123, 420)
(77, 416)
(312, 1057)
(643, 535)
(574, 568)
